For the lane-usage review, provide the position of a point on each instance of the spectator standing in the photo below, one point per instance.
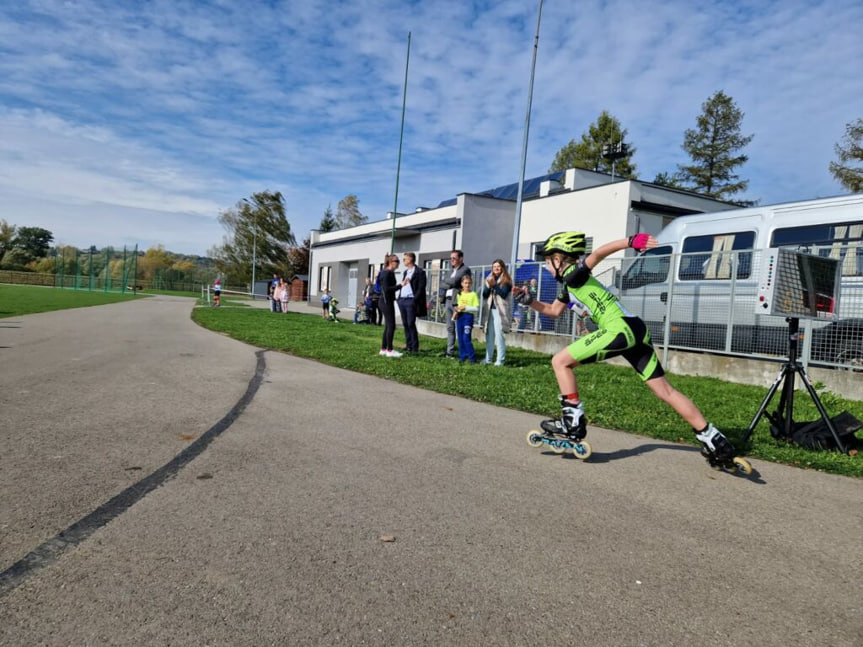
(326, 297)
(376, 300)
(463, 316)
(497, 309)
(367, 302)
(412, 300)
(284, 294)
(389, 287)
(217, 293)
(450, 285)
(275, 304)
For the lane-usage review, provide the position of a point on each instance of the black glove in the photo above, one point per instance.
(524, 298)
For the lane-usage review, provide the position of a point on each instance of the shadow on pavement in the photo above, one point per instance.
(607, 457)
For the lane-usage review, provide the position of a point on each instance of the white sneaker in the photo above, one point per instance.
(384, 352)
(394, 353)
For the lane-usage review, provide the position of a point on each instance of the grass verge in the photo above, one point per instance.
(613, 395)
(17, 300)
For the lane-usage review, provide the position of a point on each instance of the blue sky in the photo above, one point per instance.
(138, 122)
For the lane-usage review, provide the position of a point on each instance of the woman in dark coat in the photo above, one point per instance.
(387, 303)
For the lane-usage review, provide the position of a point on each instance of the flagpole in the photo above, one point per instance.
(518, 199)
(401, 138)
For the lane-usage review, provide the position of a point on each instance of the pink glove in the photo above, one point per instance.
(639, 241)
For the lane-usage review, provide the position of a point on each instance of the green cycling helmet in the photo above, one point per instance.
(569, 243)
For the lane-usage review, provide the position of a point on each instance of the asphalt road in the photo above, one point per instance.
(161, 484)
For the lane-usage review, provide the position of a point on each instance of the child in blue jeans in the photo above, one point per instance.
(465, 311)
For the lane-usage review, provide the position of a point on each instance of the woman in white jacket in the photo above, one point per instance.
(497, 311)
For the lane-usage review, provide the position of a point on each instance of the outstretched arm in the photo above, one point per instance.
(638, 241)
(522, 296)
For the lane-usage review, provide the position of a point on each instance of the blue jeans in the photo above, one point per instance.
(494, 337)
(464, 325)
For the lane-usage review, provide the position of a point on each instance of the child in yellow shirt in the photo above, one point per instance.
(465, 311)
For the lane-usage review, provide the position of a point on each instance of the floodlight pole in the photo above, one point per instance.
(401, 138)
(518, 200)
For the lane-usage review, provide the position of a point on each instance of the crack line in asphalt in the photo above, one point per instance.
(50, 551)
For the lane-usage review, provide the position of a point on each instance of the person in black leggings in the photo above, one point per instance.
(387, 304)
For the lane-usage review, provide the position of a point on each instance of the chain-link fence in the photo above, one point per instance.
(704, 302)
(92, 269)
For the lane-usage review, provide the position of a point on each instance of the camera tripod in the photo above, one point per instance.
(786, 399)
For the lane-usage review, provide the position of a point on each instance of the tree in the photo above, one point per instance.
(34, 242)
(667, 179)
(298, 257)
(154, 261)
(850, 152)
(14, 259)
(328, 222)
(348, 212)
(714, 147)
(587, 153)
(257, 230)
(7, 235)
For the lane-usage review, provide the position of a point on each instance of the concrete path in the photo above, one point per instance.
(164, 485)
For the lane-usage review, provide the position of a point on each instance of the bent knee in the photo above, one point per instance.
(563, 360)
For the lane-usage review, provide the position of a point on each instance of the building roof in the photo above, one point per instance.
(510, 191)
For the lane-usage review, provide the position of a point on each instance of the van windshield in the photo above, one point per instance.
(650, 267)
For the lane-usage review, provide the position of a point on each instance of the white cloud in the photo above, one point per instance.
(156, 116)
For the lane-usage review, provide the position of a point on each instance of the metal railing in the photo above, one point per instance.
(704, 302)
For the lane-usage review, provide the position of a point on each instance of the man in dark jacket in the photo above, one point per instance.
(451, 285)
(412, 300)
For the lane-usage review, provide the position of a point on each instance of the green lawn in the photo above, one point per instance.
(613, 395)
(17, 300)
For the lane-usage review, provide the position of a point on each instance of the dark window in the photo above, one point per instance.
(842, 241)
(711, 257)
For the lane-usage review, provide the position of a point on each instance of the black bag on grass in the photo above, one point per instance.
(817, 436)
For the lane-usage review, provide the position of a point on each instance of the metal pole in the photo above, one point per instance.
(90, 270)
(254, 243)
(401, 138)
(518, 200)
(254, 254)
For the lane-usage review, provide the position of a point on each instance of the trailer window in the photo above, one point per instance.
(711, 257)
(842, 241)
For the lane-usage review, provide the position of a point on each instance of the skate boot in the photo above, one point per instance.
(566, 432)
(719, 451)
(572, 422)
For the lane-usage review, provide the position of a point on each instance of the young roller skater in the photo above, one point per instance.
(619, 333)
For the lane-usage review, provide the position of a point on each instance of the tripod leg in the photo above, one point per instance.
(765, 403)
(827, 421)
(788, 398)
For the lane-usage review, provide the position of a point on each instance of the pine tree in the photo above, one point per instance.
(588, 153)
(714, 147)
(328, 222)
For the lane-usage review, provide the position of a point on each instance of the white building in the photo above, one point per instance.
(482, 225)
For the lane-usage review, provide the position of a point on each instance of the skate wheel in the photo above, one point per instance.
(582, 450)
(558, 446)
(534, 438)
(742, 465)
